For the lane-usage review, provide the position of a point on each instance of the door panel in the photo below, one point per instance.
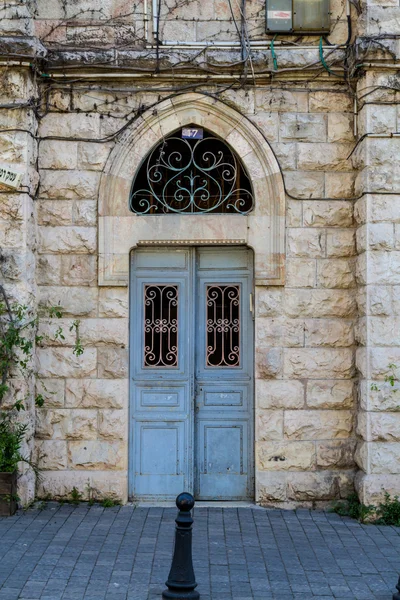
(224, 376)
(191, 370)
(222, 460)
(161, 373)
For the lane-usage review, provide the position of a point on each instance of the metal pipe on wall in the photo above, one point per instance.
(146, 20)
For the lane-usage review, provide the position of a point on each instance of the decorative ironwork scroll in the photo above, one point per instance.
(160, 326)
(191, 176)
(223, 326)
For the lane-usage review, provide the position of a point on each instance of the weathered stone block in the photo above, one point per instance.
(58, 154)
(75, 301)
(281, 101)
(54, 212)
(84, 213)
(332, 333)
(338, 454)
(113, 302)
(294, 212)
(286, 154)
(52, 390)
(104, 332)
(324, 157)
(308, 243)
(112, 363)
(279, 394)
(318, 363)
(99, 455)
(269, 425)
(304, 487)
(330, 394)
(330, 102)
(285, 456)
(279, 332)
(376, 236)
(318, 424)
(82, 425)
(379, 457)
(270, 487)
(340, 127)
(70, 125)
(78, 269)
(96, 393)
(269, 301)
(50, 423)
(100, 484)
(301, 272)
(335, 273)
(67, 240)
(51, 454)
(268, 363)
(339, 185)
(61, 362)
(340, 242)
(384, 208)
(333, 213)
(113, 424)
(267, 123)
(66, 424)
(384, 331)
(384, 427)
(371, 488)
(304, 184)
(319, 303)
(302, 127)
(92, 156)
(13, 207)
(68, 184)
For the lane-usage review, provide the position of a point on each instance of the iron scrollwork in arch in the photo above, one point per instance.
(191, 176)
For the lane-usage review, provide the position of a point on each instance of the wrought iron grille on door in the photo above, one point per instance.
(223, 326)
(160, 326)
(191, 176)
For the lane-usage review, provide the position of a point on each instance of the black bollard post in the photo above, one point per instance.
(397, 596)
(181, 581)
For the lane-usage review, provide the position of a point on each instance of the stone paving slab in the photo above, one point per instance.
(124, 553)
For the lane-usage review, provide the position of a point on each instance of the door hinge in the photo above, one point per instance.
(251, 305)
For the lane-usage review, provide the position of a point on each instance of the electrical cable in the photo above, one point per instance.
(274, 59)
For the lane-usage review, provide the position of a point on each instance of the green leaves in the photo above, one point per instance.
(11, 437)
(78, 348)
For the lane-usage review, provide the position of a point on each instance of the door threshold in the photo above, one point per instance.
(199, 504)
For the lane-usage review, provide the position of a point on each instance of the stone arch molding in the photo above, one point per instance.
(263, 229)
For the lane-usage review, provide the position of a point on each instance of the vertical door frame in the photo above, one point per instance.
(191, 331)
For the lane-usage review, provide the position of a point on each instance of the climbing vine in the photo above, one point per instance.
(18, 337)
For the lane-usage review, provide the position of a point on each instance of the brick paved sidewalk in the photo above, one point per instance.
(81, 553)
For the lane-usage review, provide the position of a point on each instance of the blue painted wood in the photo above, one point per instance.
(224, 396)
(191, 425)
(161, 455)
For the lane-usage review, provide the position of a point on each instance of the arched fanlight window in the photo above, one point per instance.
(191, 171)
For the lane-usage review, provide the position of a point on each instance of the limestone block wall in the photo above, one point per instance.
(121, 23)
(378, 333)
(322, 419)
(305, 404)
(18, 151)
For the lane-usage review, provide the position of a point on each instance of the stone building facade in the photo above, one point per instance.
(87, 90)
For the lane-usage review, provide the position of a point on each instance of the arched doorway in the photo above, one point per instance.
(258, 234)
(192, 330)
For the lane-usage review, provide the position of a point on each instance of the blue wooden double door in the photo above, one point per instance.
(191, 424)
